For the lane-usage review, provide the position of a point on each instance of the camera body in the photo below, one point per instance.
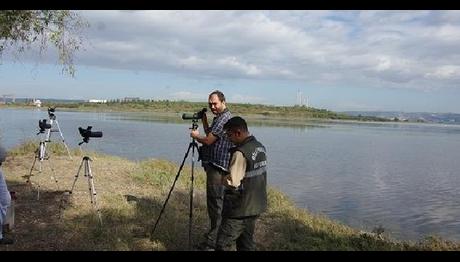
(196, 116)
(43, 126)
(87, 133)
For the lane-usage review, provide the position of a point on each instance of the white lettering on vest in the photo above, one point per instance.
(256, 152)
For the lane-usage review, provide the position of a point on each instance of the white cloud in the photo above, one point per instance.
(445, 72)
(401, 49)
(448, 33)
(187, 96)
(192, 61)
(239, 98)
(355, 106)
(234, 63)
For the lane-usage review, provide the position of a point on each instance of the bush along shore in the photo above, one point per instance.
(130, 195)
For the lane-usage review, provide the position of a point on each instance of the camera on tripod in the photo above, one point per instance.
(51, 111)
(196, 116)
(87, 133)
(43, 126)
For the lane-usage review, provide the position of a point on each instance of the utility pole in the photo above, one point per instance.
(299, 98)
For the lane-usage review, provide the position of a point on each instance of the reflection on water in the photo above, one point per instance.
(177, 118)
(401, 176)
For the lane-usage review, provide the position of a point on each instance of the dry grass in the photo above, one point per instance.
(130, 196)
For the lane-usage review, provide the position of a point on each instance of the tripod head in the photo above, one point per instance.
(51, 114)
(194, 124)
(43, 126)
(87, 133)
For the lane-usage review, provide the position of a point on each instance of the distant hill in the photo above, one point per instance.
(444, 118)
(265, 110)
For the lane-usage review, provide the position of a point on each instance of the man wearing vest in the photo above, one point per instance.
(245, 195)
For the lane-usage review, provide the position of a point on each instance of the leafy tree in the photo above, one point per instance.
(62, 28)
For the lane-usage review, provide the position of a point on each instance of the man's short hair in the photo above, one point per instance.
(236, 122)
(219, 94)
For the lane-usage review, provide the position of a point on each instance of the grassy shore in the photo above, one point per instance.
(175, 107)
(255, 115)
(131, 194)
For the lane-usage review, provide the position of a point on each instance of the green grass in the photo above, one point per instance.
(131, 195)
(53, 148)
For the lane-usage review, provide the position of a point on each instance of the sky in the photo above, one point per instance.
(337, 60)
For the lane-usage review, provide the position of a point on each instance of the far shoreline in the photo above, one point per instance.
(251, 117)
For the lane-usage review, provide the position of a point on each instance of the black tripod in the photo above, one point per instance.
(193, 144)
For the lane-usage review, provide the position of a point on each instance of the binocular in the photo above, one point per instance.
(87, 133)
(196, 116)
(43, 125)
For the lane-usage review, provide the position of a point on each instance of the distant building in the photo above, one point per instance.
(6, 97)
(37, 102)
(102, 101)
(131, 99)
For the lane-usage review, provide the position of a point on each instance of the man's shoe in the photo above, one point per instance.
(6, 241)
(204, 246)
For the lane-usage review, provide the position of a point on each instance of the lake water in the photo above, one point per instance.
(404, 177)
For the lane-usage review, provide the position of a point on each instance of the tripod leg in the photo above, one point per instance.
(76, 176)
(48, 133)
(38, 191)
(170, 191)
(37, 156)
(63, 140)
(41, 155)
(30, 175)
(32, 168)
(53, 175)
(92, 190)
(194, 145)
(88, 174)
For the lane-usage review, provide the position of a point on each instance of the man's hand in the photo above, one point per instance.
(194, 133)
(206, 140)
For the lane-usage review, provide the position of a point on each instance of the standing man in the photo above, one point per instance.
(216, 165)
(5, 200)
(245, 188)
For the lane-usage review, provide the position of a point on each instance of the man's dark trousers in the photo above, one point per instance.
(240, 230)
(214, 201)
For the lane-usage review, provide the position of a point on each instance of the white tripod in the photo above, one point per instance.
(53, 121)
(92, 190)
(88, 173)
(41, 155)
